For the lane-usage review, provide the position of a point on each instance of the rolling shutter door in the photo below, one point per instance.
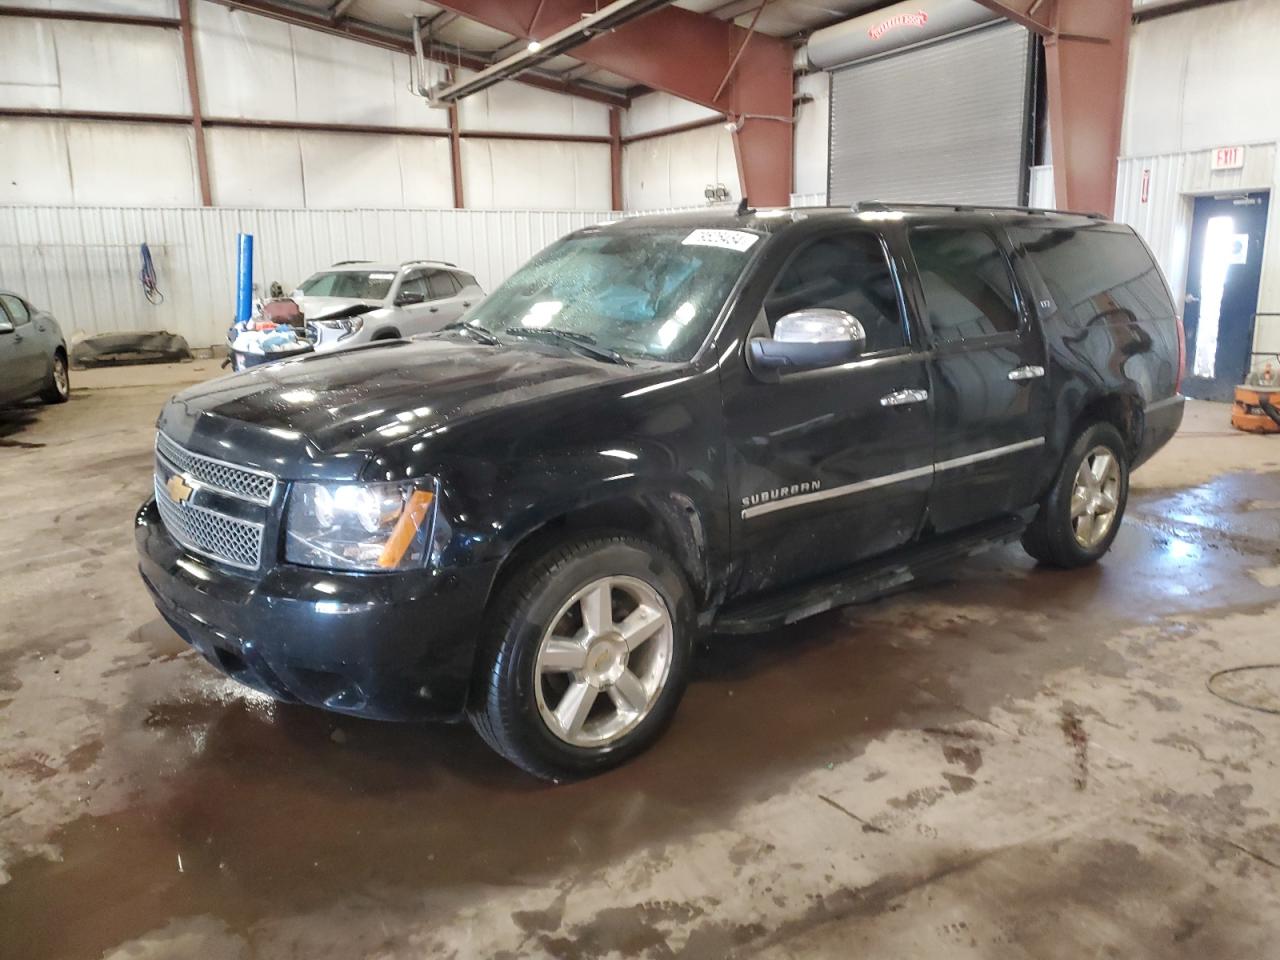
(941, 123)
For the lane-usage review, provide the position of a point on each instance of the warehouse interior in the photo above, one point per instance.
(997, 758)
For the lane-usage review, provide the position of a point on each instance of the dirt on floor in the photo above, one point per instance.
(1006, 762)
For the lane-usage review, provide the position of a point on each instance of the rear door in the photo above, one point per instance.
(413, 302)
(10, 377)
(446, 302)
(991, 393)
(469, 290)
(25, 359)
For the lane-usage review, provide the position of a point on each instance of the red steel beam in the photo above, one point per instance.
(615, 157)
(193, 91)
(1086, 44)
(26, 113)
(1086, 82)
(688, 55)
(715, 121)
(169, 23)
(1028, 13)
(353, 30)
(455, 157)
(249, 123)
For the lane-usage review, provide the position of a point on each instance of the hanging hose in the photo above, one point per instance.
(147, 276)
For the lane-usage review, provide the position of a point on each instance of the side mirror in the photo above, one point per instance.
(809, 340)
(409, 297)
(6, 326)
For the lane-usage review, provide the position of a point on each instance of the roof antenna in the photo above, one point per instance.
(743, 207)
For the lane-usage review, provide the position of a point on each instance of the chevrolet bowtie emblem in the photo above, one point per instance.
(179, 490)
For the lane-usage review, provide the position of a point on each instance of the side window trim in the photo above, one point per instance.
(909, 344)
(1020, 301)
(1029, 285)
(412, 277)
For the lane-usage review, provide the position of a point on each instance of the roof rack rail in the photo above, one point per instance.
(443, 263)
(347, 263)
(877, 205)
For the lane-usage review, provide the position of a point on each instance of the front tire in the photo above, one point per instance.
(585, 659)
(57, 388)
(1080, 516)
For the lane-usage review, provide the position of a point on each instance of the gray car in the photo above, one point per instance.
(356, 301)
(33, 353)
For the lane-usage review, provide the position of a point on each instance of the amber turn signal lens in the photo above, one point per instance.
(406, 528)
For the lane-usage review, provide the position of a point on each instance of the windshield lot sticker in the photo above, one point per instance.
(738, 240)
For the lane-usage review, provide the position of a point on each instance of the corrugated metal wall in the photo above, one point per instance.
(1164, 218)
(948, 121)
(82, 262)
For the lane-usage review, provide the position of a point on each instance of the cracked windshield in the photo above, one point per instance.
(652, 295)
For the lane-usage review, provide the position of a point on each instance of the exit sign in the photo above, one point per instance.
(1228, 158)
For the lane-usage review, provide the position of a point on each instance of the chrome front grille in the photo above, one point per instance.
(252, 485)
(210, 533)
(212, 508)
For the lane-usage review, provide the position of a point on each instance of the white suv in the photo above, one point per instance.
(356, 301)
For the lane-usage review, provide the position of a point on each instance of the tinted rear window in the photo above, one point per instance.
(1093, 272)
(442, 284)
(966, 282)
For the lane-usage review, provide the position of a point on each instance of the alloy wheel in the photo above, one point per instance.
(603, 661)
(1095, 497)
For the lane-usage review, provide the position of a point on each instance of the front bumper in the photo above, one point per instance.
(384, 646)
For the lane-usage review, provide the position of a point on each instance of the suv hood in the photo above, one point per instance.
(317, 308)
(322, 407)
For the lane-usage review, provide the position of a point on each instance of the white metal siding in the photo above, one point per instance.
(1204, 78)
(657, 111)
(70, 161)
(82, 262)
(1165, 219)
(944, 122)
(675, 170)
(506, 174)
(69, 65)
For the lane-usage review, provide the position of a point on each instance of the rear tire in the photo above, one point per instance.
(1080, 516)
(57, 388)
(585, 657)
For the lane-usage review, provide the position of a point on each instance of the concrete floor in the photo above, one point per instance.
(1012, 763)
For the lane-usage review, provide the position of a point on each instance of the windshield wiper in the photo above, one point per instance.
(583, 341)
(477, 331)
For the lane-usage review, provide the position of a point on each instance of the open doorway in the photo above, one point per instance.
(1223, 276)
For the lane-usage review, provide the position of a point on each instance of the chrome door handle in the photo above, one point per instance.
(901, 398)
(1030, 372)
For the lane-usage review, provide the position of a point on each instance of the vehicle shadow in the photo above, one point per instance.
(14, 420)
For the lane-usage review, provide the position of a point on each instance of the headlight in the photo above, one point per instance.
(359, 526)
(350, 326)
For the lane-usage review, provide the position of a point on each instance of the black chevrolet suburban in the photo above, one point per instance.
(658, 427)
